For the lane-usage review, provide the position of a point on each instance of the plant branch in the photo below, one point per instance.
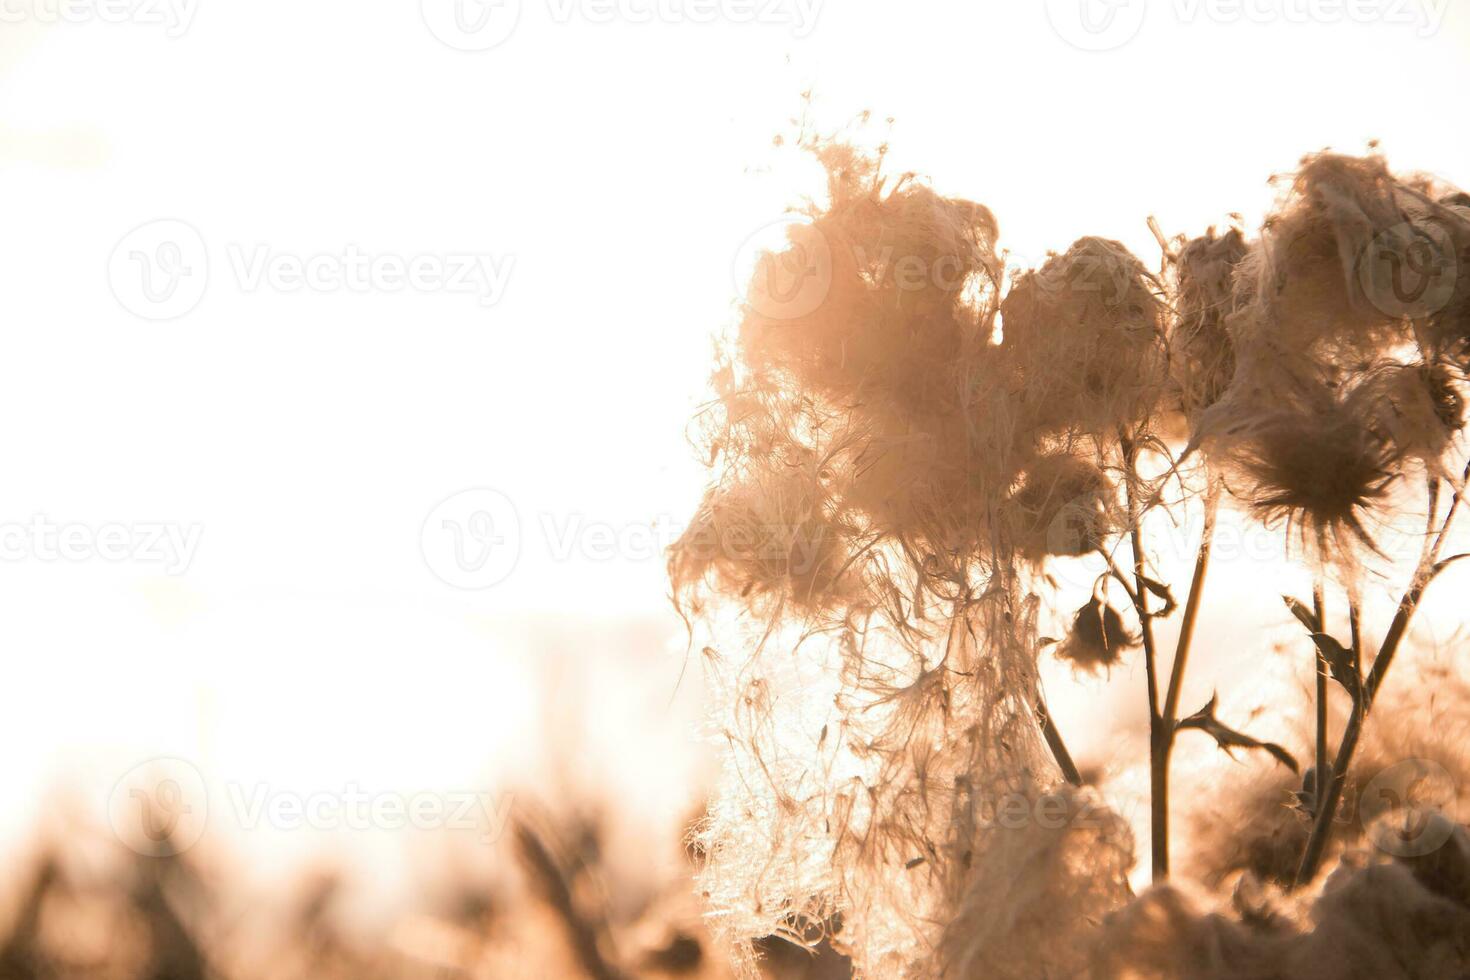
(1054, 742)
(1168, 721)
(1319, 609)
(1158, 737)
(1191, 612)
(1330, 793)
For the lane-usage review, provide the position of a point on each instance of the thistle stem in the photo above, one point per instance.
(1158, 739)
(1159, 761)
(1054, 742)
(1319, 608)
(1191, 610)
(1331, 793)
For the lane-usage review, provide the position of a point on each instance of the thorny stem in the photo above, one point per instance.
(1331, 794)
(1157, 742)
(1159, 762)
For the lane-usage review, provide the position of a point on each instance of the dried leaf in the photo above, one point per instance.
(1228, 738)
(1162, 591)
(1340, 663)
(1304, 613)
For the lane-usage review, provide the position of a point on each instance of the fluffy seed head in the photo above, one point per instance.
(1063, 507)
(1416, 408)
(1084, 335)
(1203, 351)
(1319, 467)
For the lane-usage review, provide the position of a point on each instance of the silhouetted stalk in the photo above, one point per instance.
(1055, 743)
(1191, 609)
(1331, 795)
(1160, 762)
(1157, 741)
(1319, 608)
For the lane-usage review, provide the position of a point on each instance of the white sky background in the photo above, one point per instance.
(620, 165)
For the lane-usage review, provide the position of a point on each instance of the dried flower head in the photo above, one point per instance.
(1085, 338)
(1203, 351)
(1097, 638)
(1416, 408)
(906, 302)
(1319, 466)
(1305, 271)
(779, 536)
(1063, 507)
(1449, 326)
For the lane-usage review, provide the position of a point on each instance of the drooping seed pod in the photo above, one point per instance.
(1097, 638)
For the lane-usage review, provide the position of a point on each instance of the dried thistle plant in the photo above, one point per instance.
(913, 453)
